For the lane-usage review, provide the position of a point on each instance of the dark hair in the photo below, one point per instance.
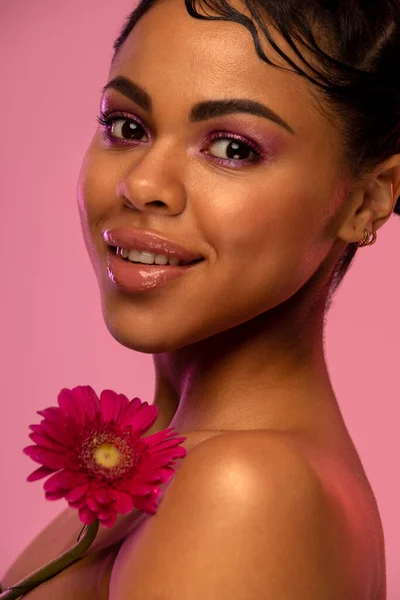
(358, 75)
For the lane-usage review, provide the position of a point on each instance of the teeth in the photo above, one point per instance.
(133, 255)
(161, 259)
(144, 257)
(149, 258)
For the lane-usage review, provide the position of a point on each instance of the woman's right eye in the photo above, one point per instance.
(121, 127)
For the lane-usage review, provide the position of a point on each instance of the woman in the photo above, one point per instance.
(263, 163)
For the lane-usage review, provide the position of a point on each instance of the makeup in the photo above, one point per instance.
(254, 143)
(138, 277)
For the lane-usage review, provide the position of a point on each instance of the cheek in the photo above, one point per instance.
(95, 192)
(268, 238)
(245, 220)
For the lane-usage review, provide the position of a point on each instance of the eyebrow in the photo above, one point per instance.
(203, 110)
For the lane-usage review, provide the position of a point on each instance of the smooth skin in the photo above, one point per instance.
(272, 500)
(245, 517)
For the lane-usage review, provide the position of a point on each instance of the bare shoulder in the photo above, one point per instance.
(245, 515)
(249, 463)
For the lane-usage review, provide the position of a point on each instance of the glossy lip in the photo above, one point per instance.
(142, 239)
(137, 277)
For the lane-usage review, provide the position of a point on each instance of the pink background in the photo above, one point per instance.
(54, 59)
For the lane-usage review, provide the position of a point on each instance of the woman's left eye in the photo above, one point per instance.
(232, 147)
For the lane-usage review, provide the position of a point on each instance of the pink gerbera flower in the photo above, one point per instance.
(97, 458)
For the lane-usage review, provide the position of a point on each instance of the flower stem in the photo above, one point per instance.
(54, 567)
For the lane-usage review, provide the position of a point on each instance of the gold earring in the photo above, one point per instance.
(366, 241)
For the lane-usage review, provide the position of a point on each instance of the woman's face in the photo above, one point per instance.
(259, 208)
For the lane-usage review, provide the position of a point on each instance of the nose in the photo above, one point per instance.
(153, 184)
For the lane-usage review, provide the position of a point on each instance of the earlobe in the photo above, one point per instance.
(358, 218)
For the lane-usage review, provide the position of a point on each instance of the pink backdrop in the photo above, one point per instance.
(54, 58)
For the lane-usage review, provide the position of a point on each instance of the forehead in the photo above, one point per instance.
(167, 37)
(171, 51)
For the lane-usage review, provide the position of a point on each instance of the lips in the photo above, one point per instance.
(141, 239)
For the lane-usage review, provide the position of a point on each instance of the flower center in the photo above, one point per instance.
(107, 455)
(110, 455)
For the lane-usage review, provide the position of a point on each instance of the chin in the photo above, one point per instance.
(141, 333)
(137, 343)
(151, 334)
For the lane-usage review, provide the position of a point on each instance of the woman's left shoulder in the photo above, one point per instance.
(245, 514)
(262, 457)
(315, 490)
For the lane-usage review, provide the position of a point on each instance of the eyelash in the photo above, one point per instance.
(107, 118)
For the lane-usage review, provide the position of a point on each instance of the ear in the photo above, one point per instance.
(373, 202)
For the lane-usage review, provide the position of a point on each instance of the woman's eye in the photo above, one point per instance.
(127, 129)
(232, 149)
(123, 128)
(225, 146)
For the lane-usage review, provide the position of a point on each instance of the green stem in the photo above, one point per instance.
(54, 567)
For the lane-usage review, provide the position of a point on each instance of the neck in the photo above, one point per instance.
(268, 373)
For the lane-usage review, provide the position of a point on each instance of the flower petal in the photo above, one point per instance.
(92, 401)
(102, 495)
(149, 477)
(35, 428)
(54, 495)
(93, 505)
(124, 403)
(106, 513)
(171, 443)
(77, 493)
(69, 405)
(110, 405)
(162, 459)
(58, 432)
(109, 522)
(81, 503)
(123, 503)
(156, 438)
(145, 417)
(52, 413)
(146, 505)
(45, 442)
(117, 405)
(64, 480)
(86, 516)
(80, 400)
(88, 401)
(161, 475)
(130, 412)
(47, 458)
(156, 492)
(39, 474)
(138, 488)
